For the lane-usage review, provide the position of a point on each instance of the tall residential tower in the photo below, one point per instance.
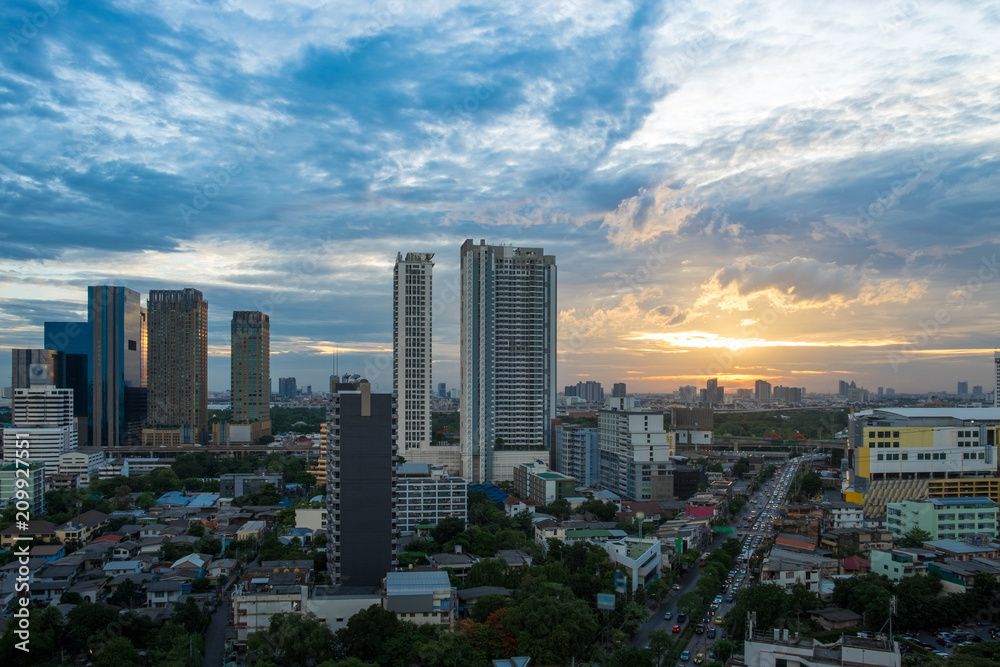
(178, 367)
(508, 357)
(411, 352)
(250, 363)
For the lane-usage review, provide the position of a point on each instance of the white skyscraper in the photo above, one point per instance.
(508, 358)
(42, 415)
(635, 451)
(411, 353)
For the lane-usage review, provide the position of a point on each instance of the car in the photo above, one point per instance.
(945, 643)
(668, 615)
(676, 628)
(718, 599)
(677, 587)
(685, 655)
(729, 598)
(719, 619)
(699, 629)
(711, 633)
(681, 618)
(699, 658)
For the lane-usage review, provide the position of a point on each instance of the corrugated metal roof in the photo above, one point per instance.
(404, 583)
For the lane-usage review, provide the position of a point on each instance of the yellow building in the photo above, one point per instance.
(915, 453)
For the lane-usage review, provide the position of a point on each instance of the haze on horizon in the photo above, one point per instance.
(796, 193)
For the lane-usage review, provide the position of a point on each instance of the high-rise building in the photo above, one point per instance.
(73, 341)
(963, 389)
(251, 366)
(842, 387)
(762, 390)
(287, 388)
(428, 494)
(411, 352)
(635, 451)
(508, 357)
(575, 452)
(361, 486)
(889, 391)
(713, 394)
(977, 390)
(881, 391)
(442, 390)
(34, 367)
(996, 384)
(619, 391)
(688, 394)
(117, 396)
(590, 391)
(178, 366)
(42, 418)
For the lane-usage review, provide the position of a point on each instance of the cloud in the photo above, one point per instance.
(662, 209)
(805, 283)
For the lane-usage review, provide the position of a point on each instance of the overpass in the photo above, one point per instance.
(309, 452)
(745, 444)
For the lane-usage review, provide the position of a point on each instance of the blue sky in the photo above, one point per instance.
(798, 192)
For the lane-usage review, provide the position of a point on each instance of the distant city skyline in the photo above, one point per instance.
(790, 192)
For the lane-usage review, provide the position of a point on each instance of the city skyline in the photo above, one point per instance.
(726, 198)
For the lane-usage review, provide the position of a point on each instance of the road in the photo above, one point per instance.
(755, 523)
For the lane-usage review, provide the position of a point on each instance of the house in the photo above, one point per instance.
(547, 529)
(57, 572)
(221, 567)
(788, 568)
(48, 551)
(117, 567)
(125, 550)
(83, 527)
(165, 593)
(251, 530)
(514, 557)
(836, 618)
(48, 591)
(513, 506)
(958, 576)
(152, 546)
(89, 589)
(424, 598)
(37, 530)
(459, 562)
(192, 565)
(848, 540)
(854, 565)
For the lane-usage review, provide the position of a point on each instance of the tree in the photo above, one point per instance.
(291, 639)
(197, 530)
(690, 603)
(448, 649)
(485, 606)
(660, 643)
(769, 601)
(550, 624)
(447, 529)
(811, 483)
(200, 584)
(119, 652)
(915, 538)
(366, 630)
(741, 467)
(724, 648)
(70, 597)
(125, 595)
(487, 572)
(145, 501)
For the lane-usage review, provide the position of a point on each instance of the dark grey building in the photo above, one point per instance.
(619, 390)
(361, 485)
(72, 340)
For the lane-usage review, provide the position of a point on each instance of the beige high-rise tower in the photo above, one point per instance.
(177, 367)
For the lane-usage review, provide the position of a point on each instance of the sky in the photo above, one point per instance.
(797, 192)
